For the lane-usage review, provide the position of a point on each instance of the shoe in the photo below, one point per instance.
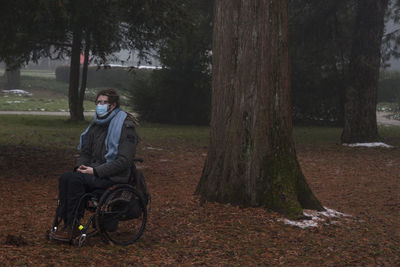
(64, 234)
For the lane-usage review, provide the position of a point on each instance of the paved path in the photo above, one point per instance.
(383, 120)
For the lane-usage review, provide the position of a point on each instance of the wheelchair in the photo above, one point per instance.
(118, 214)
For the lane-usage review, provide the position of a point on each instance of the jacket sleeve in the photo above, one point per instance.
(126, 153)
(86, 151)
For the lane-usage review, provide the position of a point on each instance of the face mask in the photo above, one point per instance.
(101, 110)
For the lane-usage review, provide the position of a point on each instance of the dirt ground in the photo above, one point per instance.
(361, 182)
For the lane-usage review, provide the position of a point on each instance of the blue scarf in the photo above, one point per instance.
(116, 120)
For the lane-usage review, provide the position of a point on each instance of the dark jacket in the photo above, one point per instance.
(94, 149)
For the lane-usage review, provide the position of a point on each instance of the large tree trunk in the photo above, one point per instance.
(75, 107)
(361, 94)
(12, 78)
(251, 159)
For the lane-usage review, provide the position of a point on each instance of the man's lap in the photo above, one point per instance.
(89, 181)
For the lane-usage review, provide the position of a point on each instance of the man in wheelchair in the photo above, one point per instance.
(107, 149)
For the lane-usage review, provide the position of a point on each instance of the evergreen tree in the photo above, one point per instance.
(33, 29)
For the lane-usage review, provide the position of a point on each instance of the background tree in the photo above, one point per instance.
(100, 29)
(391, 37)
(72, 27)
(320, 44)
(92, 29)
(361, 93)
(251, 159)
(180, 91)
(26, 30)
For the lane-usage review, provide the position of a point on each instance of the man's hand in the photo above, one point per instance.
(85, 169)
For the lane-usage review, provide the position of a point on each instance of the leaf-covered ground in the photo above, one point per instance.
(362, 182)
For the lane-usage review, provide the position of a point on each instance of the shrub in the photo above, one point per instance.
(167, 97)
(62, 74)
(317, 97)
(389, 87)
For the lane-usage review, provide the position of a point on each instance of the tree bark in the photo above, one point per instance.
(361, 94)
(84, 72)
(251, 159)
(75, 107)
(12, 78)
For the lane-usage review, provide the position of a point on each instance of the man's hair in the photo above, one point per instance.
(113, 96)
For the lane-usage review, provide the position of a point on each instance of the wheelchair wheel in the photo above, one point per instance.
(121, 214)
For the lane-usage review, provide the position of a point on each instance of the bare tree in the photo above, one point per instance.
(251, 159)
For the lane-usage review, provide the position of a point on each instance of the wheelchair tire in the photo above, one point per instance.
(121, 215)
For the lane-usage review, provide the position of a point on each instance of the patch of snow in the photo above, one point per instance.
(149, 67)
(18, 92)
(316, 218)
(302, 224)
(125, 66)
(112, 65)
(333, 213)
(153, 148)
(375, 144)
(15, 102)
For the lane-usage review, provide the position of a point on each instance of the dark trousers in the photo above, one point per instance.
(73, 185)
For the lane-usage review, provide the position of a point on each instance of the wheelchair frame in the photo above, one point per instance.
(121, 205)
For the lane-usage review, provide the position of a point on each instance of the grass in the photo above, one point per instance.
(38, 73)
(11, 102)
(331, 135)
(55, 131)
(43, 130)
(390, 135)
(39, 79)
(18, 103)
(48, 94)
(34, 73)
(162, 134)
(316, 135)
(40, 131)
(32, 82)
